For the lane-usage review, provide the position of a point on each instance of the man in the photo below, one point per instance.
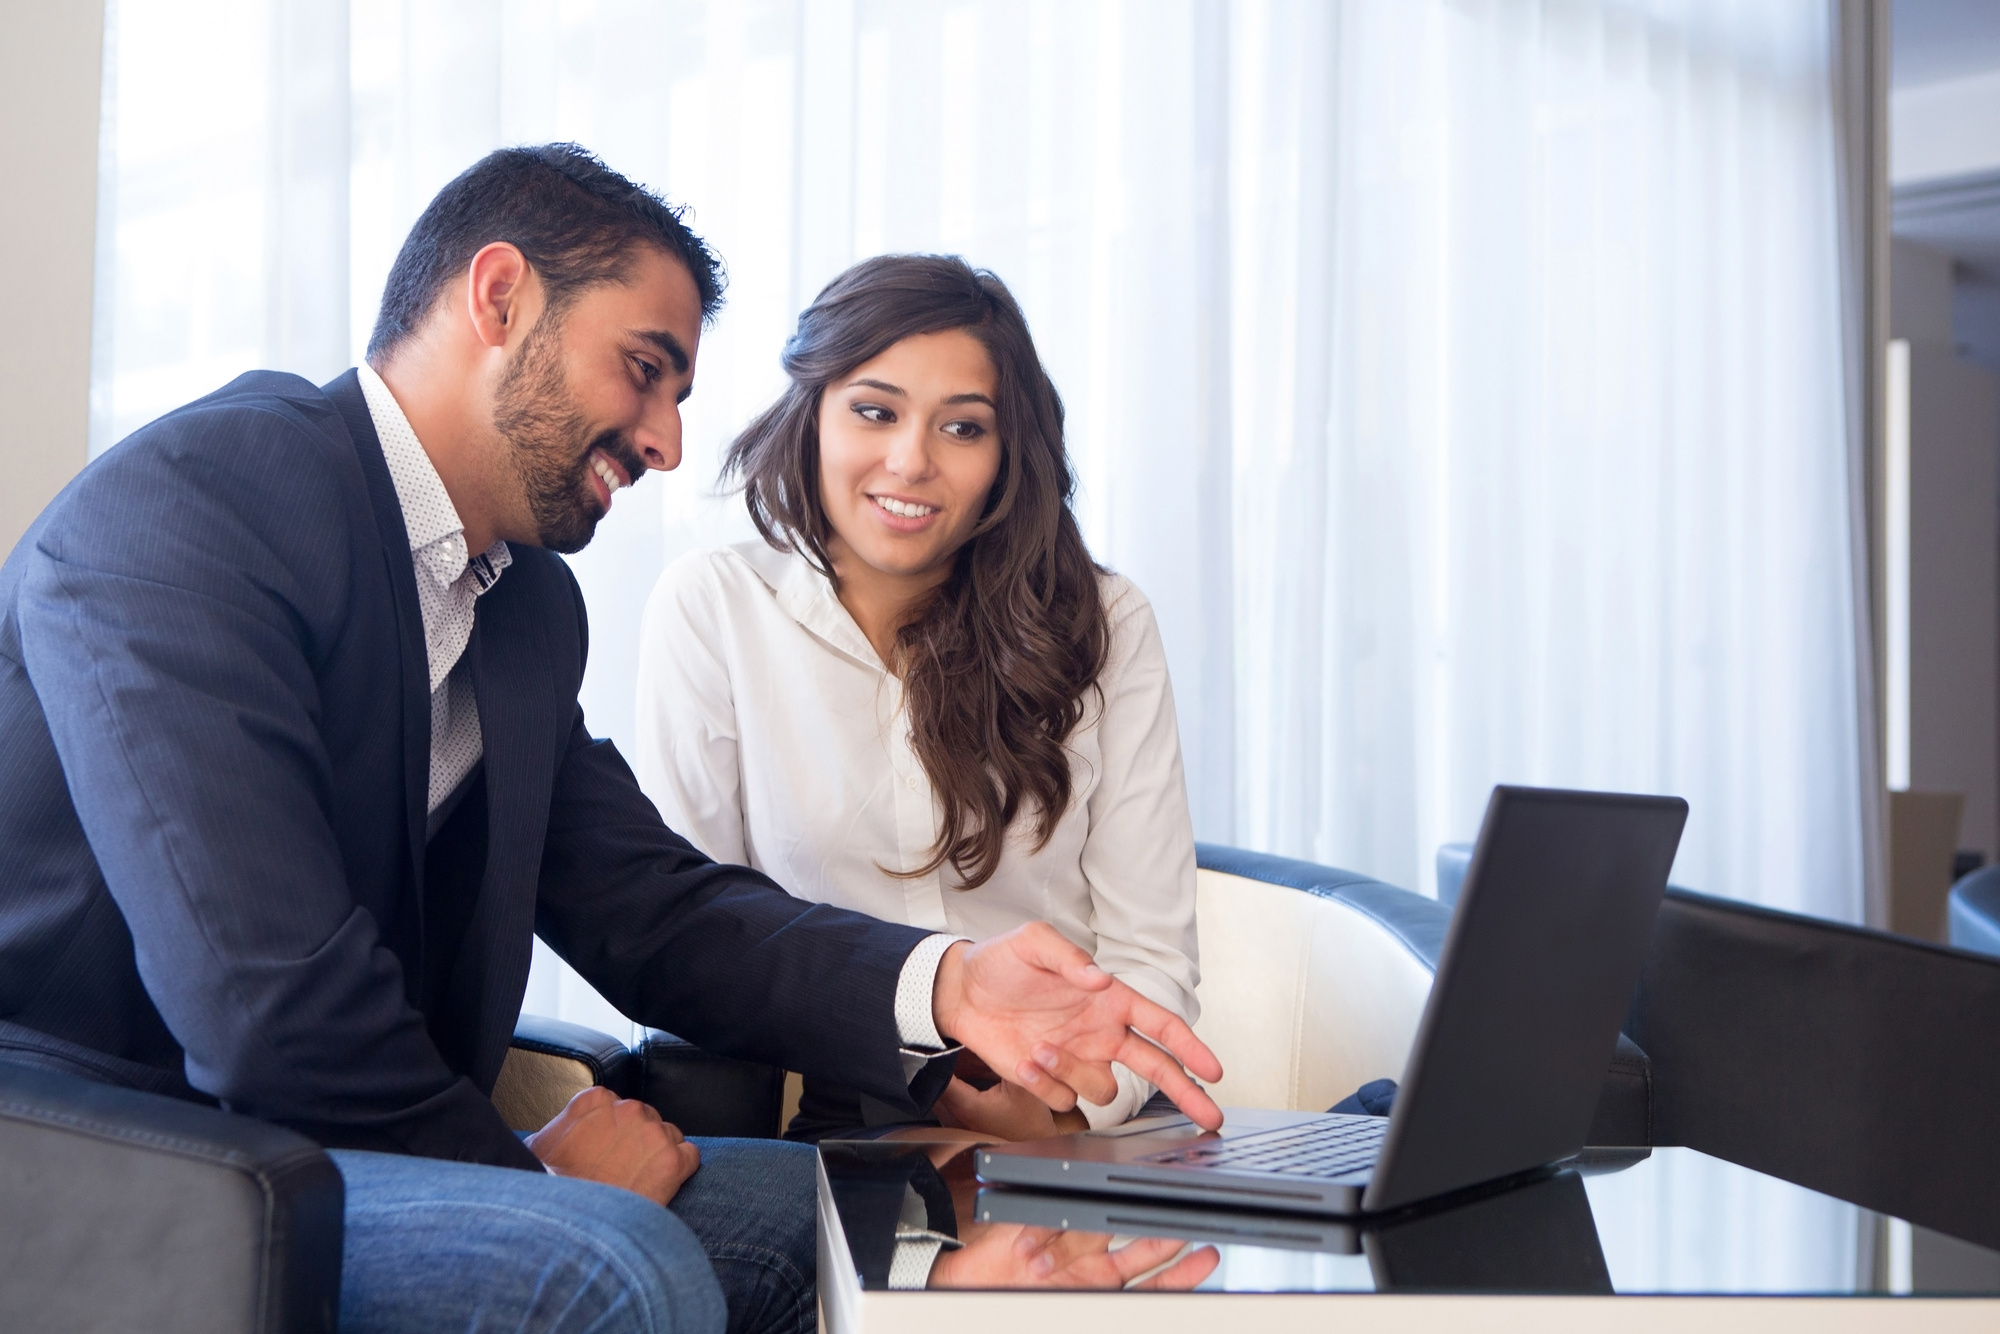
(292, 769)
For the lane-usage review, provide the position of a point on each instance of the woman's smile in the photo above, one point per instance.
(903, 515)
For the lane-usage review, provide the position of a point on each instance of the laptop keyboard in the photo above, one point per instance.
(1328, 1148)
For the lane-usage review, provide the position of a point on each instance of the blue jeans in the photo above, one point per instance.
(437, 1246)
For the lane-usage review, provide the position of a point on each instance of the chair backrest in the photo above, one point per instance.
(1313, 979)
(1849, 1061)
(1974, 912)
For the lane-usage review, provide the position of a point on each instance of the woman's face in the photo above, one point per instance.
(909, 445)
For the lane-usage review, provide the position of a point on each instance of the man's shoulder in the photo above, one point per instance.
(265, 422)
(266, 459)
(255, 405)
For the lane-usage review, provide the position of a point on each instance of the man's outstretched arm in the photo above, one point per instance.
(724, 958)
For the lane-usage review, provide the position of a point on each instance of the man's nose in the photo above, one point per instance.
(659, 440)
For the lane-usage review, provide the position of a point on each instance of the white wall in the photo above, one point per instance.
(1937, 130)
(51, 65)
(1954, 569)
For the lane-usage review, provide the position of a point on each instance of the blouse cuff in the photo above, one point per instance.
(1132, 1095)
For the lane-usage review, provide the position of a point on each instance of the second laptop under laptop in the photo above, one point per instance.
(1537, 971)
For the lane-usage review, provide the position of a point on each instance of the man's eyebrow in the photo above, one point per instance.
(668, 344)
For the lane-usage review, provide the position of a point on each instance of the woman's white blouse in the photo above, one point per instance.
(770, 735)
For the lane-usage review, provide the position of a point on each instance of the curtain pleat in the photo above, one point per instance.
(1474, 385)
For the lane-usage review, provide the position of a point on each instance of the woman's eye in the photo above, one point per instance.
(964, 430)
(873, 412)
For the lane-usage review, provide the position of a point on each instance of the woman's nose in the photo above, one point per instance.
(909, 456)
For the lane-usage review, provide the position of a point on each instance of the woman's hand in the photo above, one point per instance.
(1009, 1255)
(1004, 1111)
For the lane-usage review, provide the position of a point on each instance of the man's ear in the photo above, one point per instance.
(500, 293)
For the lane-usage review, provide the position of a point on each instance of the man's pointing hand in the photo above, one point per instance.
(1035, 1008)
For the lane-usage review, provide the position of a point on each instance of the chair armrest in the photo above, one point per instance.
(550, 1062)
(128, 1210)
(706, 1094)
(610, 1061)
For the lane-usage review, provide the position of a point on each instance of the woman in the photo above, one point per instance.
(918, 697)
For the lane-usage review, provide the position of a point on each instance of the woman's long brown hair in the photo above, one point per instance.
(997, 661)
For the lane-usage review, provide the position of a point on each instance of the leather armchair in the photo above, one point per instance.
(1974, 912)
(1853, 1062)
(551, 1062)
(700, 1092)
(122, 1210)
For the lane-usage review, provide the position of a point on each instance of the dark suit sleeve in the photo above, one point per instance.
(168, 624)
(717, 954)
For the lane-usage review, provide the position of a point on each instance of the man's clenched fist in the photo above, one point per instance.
(619, 1141)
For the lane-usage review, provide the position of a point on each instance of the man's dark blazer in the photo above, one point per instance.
(214, 765)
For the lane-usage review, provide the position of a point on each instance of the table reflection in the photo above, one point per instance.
(914, 1216)
(908, 1211)
(1663, 1221)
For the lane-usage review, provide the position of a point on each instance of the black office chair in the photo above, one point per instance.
(130, 1211)
(1973, 911)
(1853, 1062)
(122, 1210)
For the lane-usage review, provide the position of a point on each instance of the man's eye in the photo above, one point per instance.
(647, 370)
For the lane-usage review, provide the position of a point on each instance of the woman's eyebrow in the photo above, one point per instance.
(883, 385)
(972, 398)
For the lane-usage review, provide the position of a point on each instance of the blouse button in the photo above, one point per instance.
(912, 781)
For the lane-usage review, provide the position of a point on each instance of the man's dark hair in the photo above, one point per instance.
(576, 221)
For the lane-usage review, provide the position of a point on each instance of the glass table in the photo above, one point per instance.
(1616, 1239)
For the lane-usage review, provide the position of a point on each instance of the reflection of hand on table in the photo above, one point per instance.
(1011, 1255)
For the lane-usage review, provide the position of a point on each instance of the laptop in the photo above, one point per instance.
(1536, 975)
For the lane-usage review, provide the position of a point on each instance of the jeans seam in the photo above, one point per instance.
(776, 1261)
(586, 1240)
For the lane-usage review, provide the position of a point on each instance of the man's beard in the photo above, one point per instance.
(550, 445)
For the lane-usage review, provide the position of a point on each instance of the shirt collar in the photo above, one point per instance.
(807, 596)
(437, 536)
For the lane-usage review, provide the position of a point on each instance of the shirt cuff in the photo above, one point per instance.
(916, 1027)
(1124, 1105)
(910, 1266)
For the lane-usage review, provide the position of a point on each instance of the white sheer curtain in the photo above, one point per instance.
(1539, 439)
(1461, 378)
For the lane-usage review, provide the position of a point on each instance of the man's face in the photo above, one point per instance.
(591, 399)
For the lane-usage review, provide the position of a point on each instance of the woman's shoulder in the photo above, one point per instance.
(734, 568)
(1132, 630)
(1126, 608)
(709, 582)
